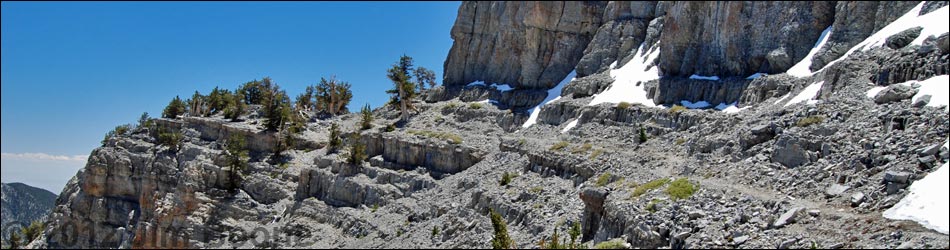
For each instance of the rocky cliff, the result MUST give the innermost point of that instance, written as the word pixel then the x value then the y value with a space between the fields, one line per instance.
pixel 808 161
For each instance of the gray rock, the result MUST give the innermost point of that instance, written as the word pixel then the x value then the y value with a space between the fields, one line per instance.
pixel 894 187
pixel 790 151
pixel 737 241
pixel 943 42
pixel 857 199
pixel 897 177
pixel 895 93
pixel 696 214
pixel 787 218
pixel 930 150
pixel 922 101
pixel 927 162
pixel 854 21
pixel 835 190
pixel 903 38
pixel 814 212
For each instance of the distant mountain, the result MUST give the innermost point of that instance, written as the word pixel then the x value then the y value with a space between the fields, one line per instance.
pixel 22 203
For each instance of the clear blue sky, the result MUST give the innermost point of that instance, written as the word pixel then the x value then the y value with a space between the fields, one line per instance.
pixel 73 71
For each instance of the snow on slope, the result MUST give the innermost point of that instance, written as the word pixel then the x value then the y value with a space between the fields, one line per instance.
pixel 807 94
pixel 801 68
pixel 938 87
pixel 571 125
pixel 500 86
pixel 933 23
pixel 553 95
pixel 624 88
pixel 927 202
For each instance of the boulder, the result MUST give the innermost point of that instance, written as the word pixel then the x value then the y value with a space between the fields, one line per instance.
pixel 895 93
pixel 903 38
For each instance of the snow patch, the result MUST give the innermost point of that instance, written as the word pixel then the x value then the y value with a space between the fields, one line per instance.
pixel 695 105
pixel 801 68
pixel 938 87
pixel 625 87
pixel 554 94
pixel 499 86
pixel 783 98
pixel 873 91
pixel 756 76
pixel 927 202
pixel 572 124
pixel 706 78
pixel 729 108
pixel 807 94
pixel 933 23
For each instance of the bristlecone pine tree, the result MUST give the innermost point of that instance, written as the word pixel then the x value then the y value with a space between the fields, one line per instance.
pixel 404 90
pixel 332 96
pixel 425 77
pixel 175 108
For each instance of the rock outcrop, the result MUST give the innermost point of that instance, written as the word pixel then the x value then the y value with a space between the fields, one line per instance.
pixel 856 20
pixel 528 45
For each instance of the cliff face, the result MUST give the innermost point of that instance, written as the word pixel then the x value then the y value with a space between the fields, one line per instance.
pixel 529 45
pixel 535 45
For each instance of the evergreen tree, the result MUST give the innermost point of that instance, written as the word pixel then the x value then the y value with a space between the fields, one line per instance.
pixel 32 232
pixel 367 115
pixel 256 92
pixel 643 135
pixel 404 89
pixel 305 99
pixel 357 150
pixel 332 96
pixel 335 141
pixel 425 77
pixel 175 108
pixel 276 109
pixel 237 155
pixel 196 105
pixel 501 239
pixel 235 106
pixel 218 100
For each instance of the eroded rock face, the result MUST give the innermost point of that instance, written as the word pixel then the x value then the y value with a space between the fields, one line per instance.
pixel 853 22
pixel 739 38
pixel 528 45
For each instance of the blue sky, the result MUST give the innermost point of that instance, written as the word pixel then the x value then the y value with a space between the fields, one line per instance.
pixel 73 71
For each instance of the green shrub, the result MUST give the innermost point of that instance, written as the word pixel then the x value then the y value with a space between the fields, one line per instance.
pixel 169 139
pixel 435 231
pixel 475 105
pixel 501 239
pixel 642 189
pixel 575 234
pixel 596 153
pixel 681 189
pixel 237 157
pixel 33 231
pixel 559 145
pixel 651 207
pixel 374 208
pixel 623 105
pixel 536 190
pixel 582 149
pixel 612 244
pixel 676 109
pixel 808 121
pixel 643 135
pixel 390 128
pixel 604 179
pixel 506 179
pixel 450 107
pixel 680 141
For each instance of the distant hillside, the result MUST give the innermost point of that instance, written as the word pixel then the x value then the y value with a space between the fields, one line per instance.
pixel 22 203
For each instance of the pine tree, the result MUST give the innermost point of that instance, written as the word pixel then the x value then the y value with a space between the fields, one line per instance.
pixel 425 77
pixel 332 96
pixel 357 150
pixel 237 155
pixel 276 109
pixel 196 105
pixel 235 106
pixel 367 115
pixel 501 239
pixel 335 141
pixel 175 108
pixel 305 99
pixel 32 232
pixel 643 135
pixel 218 100
pixel 403 90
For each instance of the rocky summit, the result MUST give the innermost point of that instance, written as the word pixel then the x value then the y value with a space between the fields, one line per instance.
pixel 612 124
